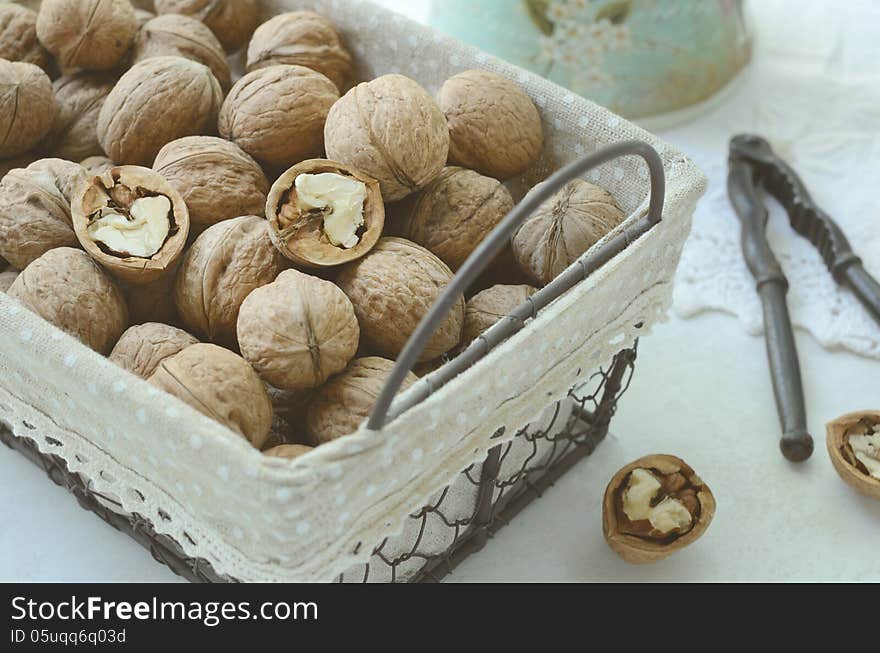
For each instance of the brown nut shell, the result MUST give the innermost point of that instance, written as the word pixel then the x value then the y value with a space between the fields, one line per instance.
pixel 289 451
pixel 221 385
pixel 97 165
pixel 118 189
pixel 232 21
pixel 300 237
pixel 142 347
pixel 18 36
pixel 27 107
pixel 640 550
pixel 79 99
pixel 67 288
pixel 152 302
pixel 850 469
pixel 487 307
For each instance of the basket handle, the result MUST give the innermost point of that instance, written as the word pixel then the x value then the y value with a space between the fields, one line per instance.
pixel 487 251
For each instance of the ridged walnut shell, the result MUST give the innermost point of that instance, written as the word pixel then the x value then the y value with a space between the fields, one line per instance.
pixel 297 331
pixel 302 38
pixel 564 228
pixel 301 238
pixel 96 194
pixel 392 130
pixel 232 21
pixel 35 210
pixel 494 126
pixel 18 36
pixel 289 451
pixel 486 308
pixel 640 550
pixel 27 107
pixel 79 99
pixel 67 288
pixel 97 165
pixel 90 34
pixel 157 101
pixel 392 288
pixel 221 385
pixel 277 114
pixel 224 265
pixel 343 403
pixel 142 347
pixel 850 469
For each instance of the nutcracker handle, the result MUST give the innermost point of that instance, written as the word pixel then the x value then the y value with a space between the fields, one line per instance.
pixel 486 252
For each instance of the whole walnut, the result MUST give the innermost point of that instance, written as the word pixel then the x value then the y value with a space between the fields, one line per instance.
pixel 35 210
pixel 232 21
pixel 392 288
pixel 455 213
pixel 67 288
pixel 494 126
pixel 142 347
pixel 303 38
pixel 217 179
pixel 276 114
pixel 224 264
pixel 27 107
pixel 18 36
pixel 392 130
pixel 563 228
pixel 221 385
pixel 486 308
pixel 182 36
pixel 78 99
pixel 343 403
pixel 90 34
pixel 6 278
pixel 96 165
pixel 297 331
pixel 157 101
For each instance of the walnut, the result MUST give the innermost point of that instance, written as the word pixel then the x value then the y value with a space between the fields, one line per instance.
pixel 96 165
pixel 90 34
pixel 391 130
pixel 303 38
pixel 78 100
pixel 392 288
pixel 143 16
pixel 341 404
pixel 277 114
pixel 67 288
pixel 18 37
pixel 224 264
pixel 853 442
pixel 232 21
pixel 157 101
pixel 486 308
pixel 289 451
pixel 7 277
pixel 563 228
pixel 35 210
pixel 220 384
pixel 455 213
pixel 322 213
pixel 132 222
pixel 27 107
pixel 217 179
pixel 142 347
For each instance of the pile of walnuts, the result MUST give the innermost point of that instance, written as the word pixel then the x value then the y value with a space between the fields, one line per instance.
pixel 260 246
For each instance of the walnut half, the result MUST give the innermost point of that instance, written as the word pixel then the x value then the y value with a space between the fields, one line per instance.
pixel 853 442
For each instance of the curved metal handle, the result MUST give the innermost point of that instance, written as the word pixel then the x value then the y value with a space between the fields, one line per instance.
pixel 492 245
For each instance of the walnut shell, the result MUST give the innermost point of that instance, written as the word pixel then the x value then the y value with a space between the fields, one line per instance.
pixel 78 99
pixel 143 16
pixel 850 469
pixel 486 308
pixel 276 114
pixel 157 101
pixel 494 127
pixel 141 348
pixel 119 189
pixel 67 288
pixel 455 213
pixel 90 34
pixel 341 404
pixel 27 107
pixel 7 277
pixel 220 384
pixel 152 302
pixel 392 288
pixel 289 451
pixel 563 228
pixel 302 38
pixel 301 237
pixel 223 266
pixel 35 210
pixel 217 179
pixel 97 165
pixel 18 37
pixel 232 21
pixel 647 548
pixel 182 36
pixel 297 331
pixel 392 130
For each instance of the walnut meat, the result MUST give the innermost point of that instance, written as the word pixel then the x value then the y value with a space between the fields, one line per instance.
pixel 392 288
pixel 563 228
pixel 157 101
pixel 486 308
pixel 217 179
pixel 27 107
pixel 277 114
pixel 341 404
pixel 297 331
pixel 67 288
pixel 302 38
pixel 223 266
pixel 220 384
pixel 18 36
pixel 78 100
pixel 391 130
pixel 232 21
pixel 141 348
